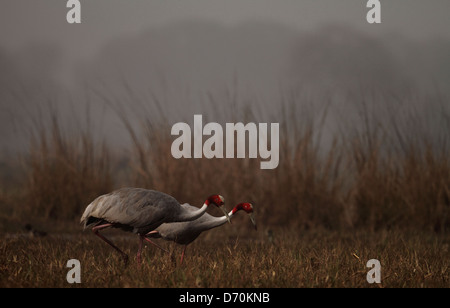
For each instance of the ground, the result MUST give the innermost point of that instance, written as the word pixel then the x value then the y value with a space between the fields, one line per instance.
pixel 310 259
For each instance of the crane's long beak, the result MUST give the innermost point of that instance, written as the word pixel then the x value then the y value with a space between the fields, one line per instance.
pixel 226 214
pixel 252 218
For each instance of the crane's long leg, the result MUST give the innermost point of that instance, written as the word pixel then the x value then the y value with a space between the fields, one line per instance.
pixel 141 239
pixel 96 230
pixel 153 243
pixel 182 254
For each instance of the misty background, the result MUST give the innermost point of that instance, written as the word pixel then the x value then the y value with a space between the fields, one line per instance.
pixel 175 58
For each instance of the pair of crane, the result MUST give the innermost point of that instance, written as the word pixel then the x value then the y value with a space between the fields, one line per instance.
pixel 153 214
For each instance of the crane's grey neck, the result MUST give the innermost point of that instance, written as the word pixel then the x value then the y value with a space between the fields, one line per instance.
pixel 187 215
pixel 216 221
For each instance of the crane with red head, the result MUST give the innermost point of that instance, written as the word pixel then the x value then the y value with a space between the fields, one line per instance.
pixel 140 211
pixel 184 233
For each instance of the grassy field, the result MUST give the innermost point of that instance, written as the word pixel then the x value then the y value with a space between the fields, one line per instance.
pixel 380 190
pixel 305 260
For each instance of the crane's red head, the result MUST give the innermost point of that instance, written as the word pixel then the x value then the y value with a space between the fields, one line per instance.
pixel 245 206
pixel 217 200
pixel 248 208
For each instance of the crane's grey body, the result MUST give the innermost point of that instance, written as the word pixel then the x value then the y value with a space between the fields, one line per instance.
pixel 136 209
pixel 185 232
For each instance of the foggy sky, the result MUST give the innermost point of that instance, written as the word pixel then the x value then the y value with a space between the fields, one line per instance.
pixel 206 47
pixel 23 22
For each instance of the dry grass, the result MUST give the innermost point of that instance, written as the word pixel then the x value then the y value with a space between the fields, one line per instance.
pixel 307 260
pixel 360 181
pixel 324 196
pixel 64 172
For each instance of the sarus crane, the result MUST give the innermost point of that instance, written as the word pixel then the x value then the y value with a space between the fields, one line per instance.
pixel 184 233
pixel 140 211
